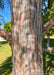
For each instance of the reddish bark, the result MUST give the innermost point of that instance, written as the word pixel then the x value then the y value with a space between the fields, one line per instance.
pixel 26 37
pixel 26 42
pixel 6 35
pixel 20 18
pixel 48 25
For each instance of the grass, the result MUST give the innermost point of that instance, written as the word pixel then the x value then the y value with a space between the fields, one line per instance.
pixel 5 59
pixel 6 63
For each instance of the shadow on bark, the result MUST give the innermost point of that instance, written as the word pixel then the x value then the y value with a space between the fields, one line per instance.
pixel 48 59
pixel 6 67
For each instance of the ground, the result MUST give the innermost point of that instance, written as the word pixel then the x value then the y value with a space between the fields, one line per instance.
pixel 5 59
pixel 6 63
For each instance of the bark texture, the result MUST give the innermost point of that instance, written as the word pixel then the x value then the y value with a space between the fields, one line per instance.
pixel 27 37
pixel 48 38
pixel 48 25
pixel 6 35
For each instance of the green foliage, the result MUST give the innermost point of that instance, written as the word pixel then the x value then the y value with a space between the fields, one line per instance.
pixel 1 4
pixel 6 63
pixel 1 7
pixel 50 4
pixel 48 59
pixel 51 43
pixel 51 31
pixel 7 26
pixel 48 13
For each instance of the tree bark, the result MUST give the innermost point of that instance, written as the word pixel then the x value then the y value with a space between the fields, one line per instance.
pixel 48 37
pixel 6 35
pixel 48 25
pixel 26 32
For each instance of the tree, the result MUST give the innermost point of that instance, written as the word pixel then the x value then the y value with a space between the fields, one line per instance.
pixel 48 36
pixel 7 26
pixel 26 37
pixel 48 13
pixel 51 30
pixel 1 4
pixel 48 25
pixel 6 35
pixel 1 8
pixel 48 29
pixel 26 29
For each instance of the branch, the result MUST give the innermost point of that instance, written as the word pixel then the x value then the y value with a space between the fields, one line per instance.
pixel 48 25
pixel 6 35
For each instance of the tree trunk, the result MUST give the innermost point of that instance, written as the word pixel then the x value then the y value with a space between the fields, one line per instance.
pixel 6 35
pixel 48 37
pixel 27 37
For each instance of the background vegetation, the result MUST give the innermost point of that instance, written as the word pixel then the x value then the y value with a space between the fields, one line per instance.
pixel 5 50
